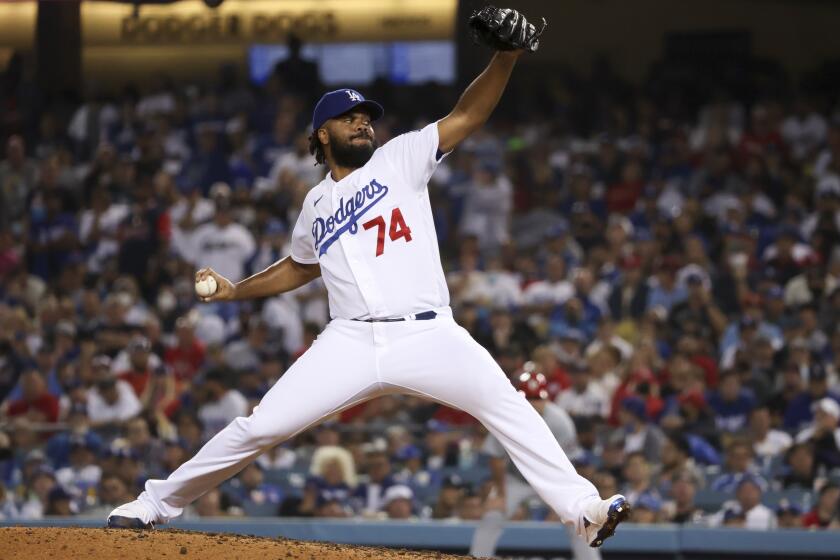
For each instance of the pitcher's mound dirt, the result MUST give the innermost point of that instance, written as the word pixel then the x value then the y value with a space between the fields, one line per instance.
pixel 59 543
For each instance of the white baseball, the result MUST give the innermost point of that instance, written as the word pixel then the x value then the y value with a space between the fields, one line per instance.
pixel 206 287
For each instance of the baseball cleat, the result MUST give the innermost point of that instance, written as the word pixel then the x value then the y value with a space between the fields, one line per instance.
pixel 132 515
pixel 601 519
pixel 120 522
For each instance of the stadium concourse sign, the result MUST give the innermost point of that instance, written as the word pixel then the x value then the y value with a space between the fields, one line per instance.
pixel 188 40
pixel 243 22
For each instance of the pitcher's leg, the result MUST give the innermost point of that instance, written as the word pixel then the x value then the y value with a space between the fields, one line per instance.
pixel 445 364
pixel 337 372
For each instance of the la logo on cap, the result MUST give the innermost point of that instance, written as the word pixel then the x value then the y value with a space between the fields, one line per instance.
pixel 353 95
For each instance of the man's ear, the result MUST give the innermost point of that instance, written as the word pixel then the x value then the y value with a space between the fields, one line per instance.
pixel 323 136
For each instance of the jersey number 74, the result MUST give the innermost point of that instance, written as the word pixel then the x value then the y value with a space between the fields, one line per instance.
pixel 398 229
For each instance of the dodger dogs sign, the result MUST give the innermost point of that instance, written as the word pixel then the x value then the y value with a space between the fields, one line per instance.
pixel 213 27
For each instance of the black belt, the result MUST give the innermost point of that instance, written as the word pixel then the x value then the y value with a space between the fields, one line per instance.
pixel 425 316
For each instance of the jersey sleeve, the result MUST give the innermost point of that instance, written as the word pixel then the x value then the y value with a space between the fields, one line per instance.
pixel 302 249
pixel 415 155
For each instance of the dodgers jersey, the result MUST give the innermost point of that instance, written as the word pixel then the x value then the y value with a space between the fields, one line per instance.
pixel 373 233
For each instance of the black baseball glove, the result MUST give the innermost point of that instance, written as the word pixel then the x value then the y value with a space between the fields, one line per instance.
pixel 504 29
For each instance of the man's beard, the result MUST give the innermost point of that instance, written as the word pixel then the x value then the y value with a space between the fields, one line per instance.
pixel 353 156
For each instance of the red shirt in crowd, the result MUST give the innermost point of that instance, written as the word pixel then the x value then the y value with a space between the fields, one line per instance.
pixel 137 379
pixel 46 404
pixel 622 197
pixel 811 520
pixel 633 387
pixel 185 362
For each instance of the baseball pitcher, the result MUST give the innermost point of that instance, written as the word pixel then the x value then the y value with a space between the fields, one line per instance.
pixel 367 230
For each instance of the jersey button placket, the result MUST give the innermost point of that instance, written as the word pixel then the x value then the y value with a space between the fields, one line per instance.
pixel 352 246
pixel 349 250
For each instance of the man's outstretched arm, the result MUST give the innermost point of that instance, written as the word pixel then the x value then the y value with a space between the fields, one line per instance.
pixel 477 102
pixel 283 276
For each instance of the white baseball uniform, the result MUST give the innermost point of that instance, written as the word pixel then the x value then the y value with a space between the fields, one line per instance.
pixel 372 234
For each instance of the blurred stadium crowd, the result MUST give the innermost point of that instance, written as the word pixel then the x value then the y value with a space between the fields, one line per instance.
pixel 661 278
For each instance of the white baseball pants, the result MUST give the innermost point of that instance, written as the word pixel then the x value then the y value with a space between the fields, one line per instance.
pixel 353 361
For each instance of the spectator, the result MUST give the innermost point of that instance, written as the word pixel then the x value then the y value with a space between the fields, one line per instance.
pixel 190 430
pixel 638 479
pixel 271 246
pixel 224 245
pixel 740 463
pixel 186 357
pixel 175 452
pixel 824 433
pixel 487 205
pixel 190 210
pixel 36 492
pixel 800 410
pixel 111 401
pixel 139 439
pixel 665 292
pixel 677 460
pixel 800 467
pixel 734 517
pixel 542 296
pixel 640 435
pixel 141 234
pixel 370 494
pixel 247 353
pixel 824 515
pixel 36 403
pixel 297 73
pixel 546 360
pixel 10 257
pixel 111 493
pixel 211 504
pixel 412 473
pixel 60 503
pixel 681 509
pixel 250 488
pixel 767 441
pixel 804 131
pixel 440 446
pixel 584 397
pixel 647 509
pixel 792 387
pixel 207 165
pixel 452 491
pixel 220 404
pixel 698 314
pixel 154 387
pixel 731 403
pixel 295 165
pixel 748 495
pixel 471 507
pixel 628 299
pixel 124 462
pixel 18 175
pixel 82 474
pixel 692 415
pixel 98 228
pixel 788 515
pixel 8 508
pixel 398 502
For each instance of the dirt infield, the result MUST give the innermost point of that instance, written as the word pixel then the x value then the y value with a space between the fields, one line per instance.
pixel 59 543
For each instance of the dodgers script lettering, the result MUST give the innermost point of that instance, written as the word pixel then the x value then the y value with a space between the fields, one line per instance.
pixel 346 217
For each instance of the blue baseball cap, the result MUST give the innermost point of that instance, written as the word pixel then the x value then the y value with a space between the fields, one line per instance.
pixel 409 452
pixel 338 102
